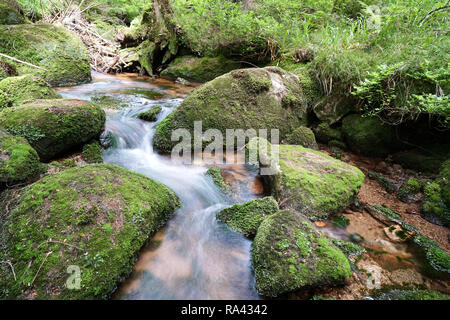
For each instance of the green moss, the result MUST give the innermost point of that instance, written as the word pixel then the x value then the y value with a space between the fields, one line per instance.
pixel 351 250
pixel 388 213
pixel 331 108
pixel 10 13
pixel 151 114
pixel 199 69
pixel 324 133
pixel 386 183
pixel 92 152
pixel 337 145
pixel 18 90
pixel 216 174
pixel 54 126
pixel 314 183
pixel 437 258
pixel 19 162
pixel 96 217
pixel 434 207
pixel 341 221
pixel 409 189
pixel 302 136
pixel 51 47
pixel 6 70
pixel 247 217
pixel 108 102
pixel 413 295
pixel 242 99
pixel 306 258
pixel 423 162
pixel 444 179
pixel 368 136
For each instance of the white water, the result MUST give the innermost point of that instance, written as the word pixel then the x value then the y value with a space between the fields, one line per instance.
pixel 195 256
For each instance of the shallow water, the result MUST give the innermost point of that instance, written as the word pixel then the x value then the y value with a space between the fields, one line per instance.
pixel 194 256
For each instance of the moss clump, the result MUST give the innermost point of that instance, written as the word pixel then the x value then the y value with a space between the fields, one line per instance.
pixel 10 13
pixel 51 47
pixel 434 208
pixel 351 250
pixel 388 185
pixel 150 115
pixel 258 98
pixel 247 217
pixel 386 213
pixel 314 183
pixel 53 127
pixel 108 102
pixel 324 133
pixel 96 217
pixel 290 254
pixel 199 69
pixel 92 152
pixel 409 189
pixel 216 174
pixel 19 162
pixel 444 179
pixel 302 136
pixel 437 258
pixel 367 136
pixel 413 295
pixel 17 90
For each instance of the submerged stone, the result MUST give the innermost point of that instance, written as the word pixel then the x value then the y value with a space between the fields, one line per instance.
pixel 289 254
pixel 53 127
pixel 89 221
pixel 304 137
pixel 247 217
pixel 258 98
pixel 53 48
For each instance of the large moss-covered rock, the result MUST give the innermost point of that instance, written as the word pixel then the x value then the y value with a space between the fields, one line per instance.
pixel 53 127
pixel 324 133
pixel 199 69
pixel 51 47
pixel 290 254
pixel 19 162
pixel 258 98
pixel 151 114
pixel 10 13
pixel 247 217
pixel 368 136
pixel 95 217
pixel 17 90
pixel 314 183
pixel 332 108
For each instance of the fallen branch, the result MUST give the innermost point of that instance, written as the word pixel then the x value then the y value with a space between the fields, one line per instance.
pixel 429 14
pixel 23 62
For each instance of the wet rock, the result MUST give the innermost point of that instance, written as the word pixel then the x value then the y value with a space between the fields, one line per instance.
pixel 289 254
pixel 53 127
pixel 351 250
pixel 258 98
pixel 150 115
pixel 17 90
pixel 247 217
pixel 216 174
pixel 368 136
pixel 51 47
pixel 199 69
pixel 438 260
pixel 11 13
pixel 95 217
pixel 19 162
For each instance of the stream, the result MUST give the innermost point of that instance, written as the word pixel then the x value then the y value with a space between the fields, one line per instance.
pixel 194 256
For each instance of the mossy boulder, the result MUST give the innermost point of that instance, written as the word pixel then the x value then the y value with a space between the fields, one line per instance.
pixel 59 51
pixel 409 189
pixel 10 13
pixel 247 217
pixel 434 207
pixel 258 98
pixel 332 108
pixel 289 254
pixel 92 152
pixel 302 136
pixel 17 90
pixel 324 133
pixel 438 260
pixel 421 161
pixel 351 250
pixel 314 183
pixel 199 69
pixel 444 178
pixel 368 136
pixel 95 217
pixel 53 127
pixel 19 162
pixel 151 114
pixel 396 294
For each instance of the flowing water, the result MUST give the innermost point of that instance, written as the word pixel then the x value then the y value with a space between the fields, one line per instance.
pixel 194 256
